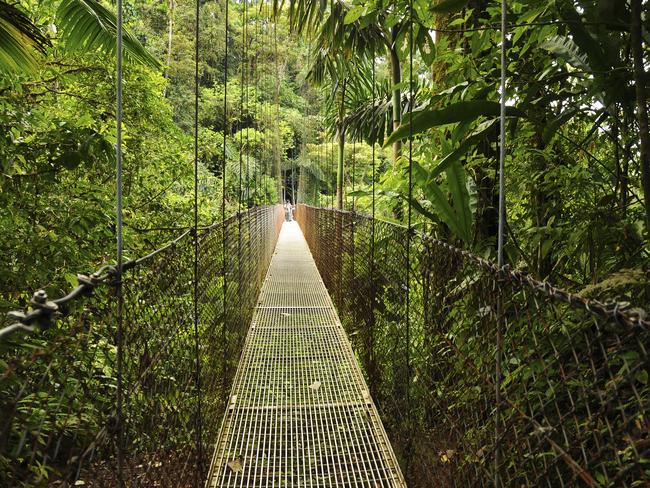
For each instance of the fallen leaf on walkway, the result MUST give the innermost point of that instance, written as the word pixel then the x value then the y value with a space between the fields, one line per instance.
pixel 236 465
pixel 446 456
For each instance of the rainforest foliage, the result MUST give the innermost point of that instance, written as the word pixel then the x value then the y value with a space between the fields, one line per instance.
pixel 380 106
pixel 314 98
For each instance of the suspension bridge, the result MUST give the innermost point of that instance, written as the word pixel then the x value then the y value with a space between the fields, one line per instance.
pixel 275 383
pixel 338 351
pixel 300 413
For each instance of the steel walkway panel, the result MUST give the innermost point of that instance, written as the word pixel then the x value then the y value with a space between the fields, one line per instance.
pixel 300 413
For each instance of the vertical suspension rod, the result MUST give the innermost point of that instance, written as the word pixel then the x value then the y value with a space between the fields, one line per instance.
pixel 120 246
pixel 199 413
pixel 408 250
pixel 500 244
pixel 224 235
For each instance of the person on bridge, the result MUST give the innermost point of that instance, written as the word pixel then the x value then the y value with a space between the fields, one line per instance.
pixel 288 211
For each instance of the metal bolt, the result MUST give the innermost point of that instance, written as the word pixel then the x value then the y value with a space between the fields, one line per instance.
pixel 39 296
pixel 39 300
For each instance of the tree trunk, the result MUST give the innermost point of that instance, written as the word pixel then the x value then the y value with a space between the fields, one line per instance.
pixel 340 175
pixel 396 79
pixel 641 106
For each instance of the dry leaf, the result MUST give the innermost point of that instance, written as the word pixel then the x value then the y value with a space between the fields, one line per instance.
pixel 444 458
pixel 315 386
pixel 236 465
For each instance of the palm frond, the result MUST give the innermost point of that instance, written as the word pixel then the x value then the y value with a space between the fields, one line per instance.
pixel 88 25
pixel 303 15
pixel 370 119
pixel 21 41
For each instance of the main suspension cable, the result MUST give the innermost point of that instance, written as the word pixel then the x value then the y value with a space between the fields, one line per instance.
pixel 240 197
pixel 373 292
pixel 264 12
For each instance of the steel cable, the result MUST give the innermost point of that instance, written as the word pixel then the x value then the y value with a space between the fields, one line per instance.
pixel 195 277
pixel 408 247
pixel 500 244
pixel 120 245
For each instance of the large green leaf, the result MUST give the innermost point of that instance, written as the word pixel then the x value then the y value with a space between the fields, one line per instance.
pixel 426 46
pixel 21 42
pixel 460 197
pixel 438 199
pixel 456 112
pixel 354 14
pixel 469 142
pixel 568 50
pixel 87 25
pixel 457 215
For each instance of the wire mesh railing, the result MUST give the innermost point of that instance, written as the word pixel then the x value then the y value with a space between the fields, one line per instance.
pixel 574 381
pixel 58 416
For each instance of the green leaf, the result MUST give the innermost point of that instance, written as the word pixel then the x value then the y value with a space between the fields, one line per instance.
pixel 458 187
pixel 475 136
pixel 456 112
pixel 368 19
pixel 566 49
pixel 426 46
pixel 449 6
pixel 354 14
pixel 71 278
pixel 459 217
pixel 87 25
pixel 452 157
pixel 359 193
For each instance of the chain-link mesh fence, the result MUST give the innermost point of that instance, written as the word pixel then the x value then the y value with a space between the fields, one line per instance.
pixel 58 386
pixel 573 388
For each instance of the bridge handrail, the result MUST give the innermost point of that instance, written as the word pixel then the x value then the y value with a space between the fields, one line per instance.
pixel 43 309
pixel 621 313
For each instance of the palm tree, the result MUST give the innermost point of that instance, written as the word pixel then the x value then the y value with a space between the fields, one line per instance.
pixel 343 35
pixel 83 25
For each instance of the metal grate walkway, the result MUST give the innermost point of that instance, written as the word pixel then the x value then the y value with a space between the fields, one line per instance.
pixel 300 413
